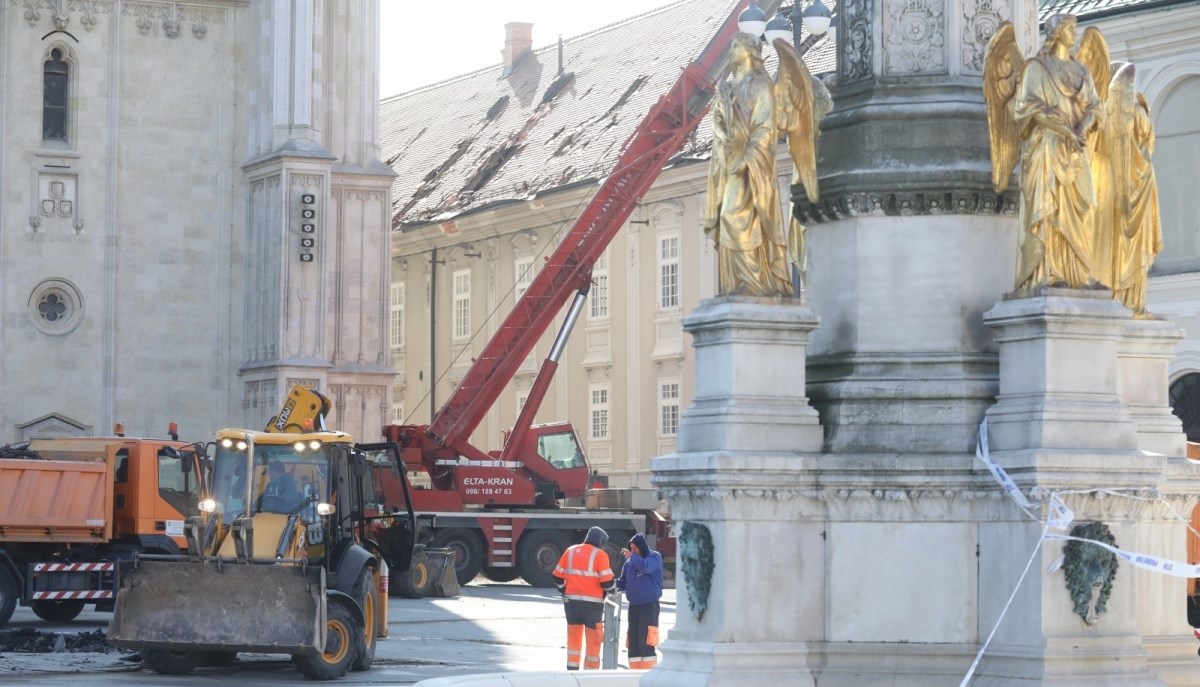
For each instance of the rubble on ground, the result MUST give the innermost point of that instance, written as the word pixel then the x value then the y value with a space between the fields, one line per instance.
pixel 31 641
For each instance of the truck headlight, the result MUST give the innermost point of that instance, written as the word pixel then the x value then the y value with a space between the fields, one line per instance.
pixel 324 509
pixel 207 506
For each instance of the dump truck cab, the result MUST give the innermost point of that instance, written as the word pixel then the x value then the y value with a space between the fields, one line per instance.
pixel 278 560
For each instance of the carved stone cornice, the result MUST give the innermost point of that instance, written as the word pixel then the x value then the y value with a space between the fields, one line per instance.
pixel 169 17
pixel 905 203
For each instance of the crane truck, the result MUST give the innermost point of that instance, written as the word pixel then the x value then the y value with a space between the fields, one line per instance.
pixel 73 508
pixel 278 561
pixel 498 509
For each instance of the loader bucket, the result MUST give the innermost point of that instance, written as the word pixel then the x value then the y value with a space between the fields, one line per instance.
pixel 203 606
pixel 441 566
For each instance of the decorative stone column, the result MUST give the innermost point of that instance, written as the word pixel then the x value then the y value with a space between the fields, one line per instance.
pixel 750 561
pixel 909 243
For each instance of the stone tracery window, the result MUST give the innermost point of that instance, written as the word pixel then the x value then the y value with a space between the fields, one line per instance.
pixel 55 80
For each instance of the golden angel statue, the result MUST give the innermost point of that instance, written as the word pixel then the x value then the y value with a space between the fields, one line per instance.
pixel 743 214
pixel 1127 194
pixel 1042 111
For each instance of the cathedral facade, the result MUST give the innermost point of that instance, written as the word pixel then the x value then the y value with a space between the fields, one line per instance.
pixel 193 215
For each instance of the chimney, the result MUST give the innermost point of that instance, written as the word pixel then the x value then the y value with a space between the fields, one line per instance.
pixel 518 38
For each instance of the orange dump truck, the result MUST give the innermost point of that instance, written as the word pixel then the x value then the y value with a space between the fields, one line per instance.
pixel 71 508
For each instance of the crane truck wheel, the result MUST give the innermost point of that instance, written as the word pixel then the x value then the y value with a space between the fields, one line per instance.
pixel 414 582
pixel 343 643
pixel 8 595
pixel 538 553
pixel 172 662
pixel 367 595
pixel 468 552
pixel 57 611
pixel 501 574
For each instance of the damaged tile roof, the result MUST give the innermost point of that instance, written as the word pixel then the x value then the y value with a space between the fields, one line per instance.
pixel 485 138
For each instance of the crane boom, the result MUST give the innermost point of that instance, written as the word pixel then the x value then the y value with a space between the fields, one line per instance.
pixel 568 270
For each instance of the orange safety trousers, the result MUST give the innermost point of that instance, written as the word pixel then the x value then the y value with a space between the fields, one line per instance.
pixel 575 641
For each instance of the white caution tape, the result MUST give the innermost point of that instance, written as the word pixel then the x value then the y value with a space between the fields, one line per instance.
pixel 1140 560
pixel 1010 487
pixel 1058 516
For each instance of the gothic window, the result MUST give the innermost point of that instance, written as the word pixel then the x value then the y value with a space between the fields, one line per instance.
pixel 54 97
pixel 1185 403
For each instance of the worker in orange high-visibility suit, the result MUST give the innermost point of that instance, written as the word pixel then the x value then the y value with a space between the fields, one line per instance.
pixel 584 576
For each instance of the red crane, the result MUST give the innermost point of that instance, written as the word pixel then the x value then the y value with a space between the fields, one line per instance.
pixel 544 463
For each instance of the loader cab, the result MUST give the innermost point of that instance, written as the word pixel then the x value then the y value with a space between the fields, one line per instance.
pixel 288 485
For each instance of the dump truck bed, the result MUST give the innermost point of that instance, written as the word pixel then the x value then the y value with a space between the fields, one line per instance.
pixel 58 500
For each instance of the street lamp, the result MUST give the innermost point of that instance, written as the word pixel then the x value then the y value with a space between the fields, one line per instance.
pixel 816 18
pixel 779 27
pixel 752 20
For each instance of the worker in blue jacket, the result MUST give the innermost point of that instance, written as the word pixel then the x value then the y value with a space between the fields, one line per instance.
pixel 642 581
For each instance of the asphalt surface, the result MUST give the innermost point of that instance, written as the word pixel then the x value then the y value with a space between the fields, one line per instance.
pixel 489 628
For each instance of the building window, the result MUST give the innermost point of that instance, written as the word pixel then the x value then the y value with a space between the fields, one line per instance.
pixel 599 293
pixel 397 315
pixel 1185 403
pixel 398 413
pixel 523 269
pixel 668 409
pixel 522 397
pixel 54 97
pixel 462 304
pixel 1176 157
pixel 668 273
pixel 599 413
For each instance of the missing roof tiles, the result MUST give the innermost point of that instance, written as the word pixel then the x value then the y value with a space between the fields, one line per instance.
pixel 497 108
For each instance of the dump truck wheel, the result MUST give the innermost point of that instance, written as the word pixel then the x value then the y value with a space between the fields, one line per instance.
pixel 501 574
pixel 343 642
pixel 538 553
pixel 414 582
pixel 8 595
pixel 368 597
pixel 172 662
pixel 57 611
pixel 468 552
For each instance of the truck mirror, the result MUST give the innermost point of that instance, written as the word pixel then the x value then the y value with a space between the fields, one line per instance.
pixel 185 463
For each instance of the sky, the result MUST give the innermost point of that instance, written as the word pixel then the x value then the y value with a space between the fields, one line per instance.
pixel 412 54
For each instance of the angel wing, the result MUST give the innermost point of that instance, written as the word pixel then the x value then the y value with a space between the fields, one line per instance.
pixel 1120 114
pixel 793 93
pixel 1002 65
pixel 1092 53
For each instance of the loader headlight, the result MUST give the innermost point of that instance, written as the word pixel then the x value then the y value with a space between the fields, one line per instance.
pixel 314 444
pixel 207 506
pixel 324 509
pixel 299 446
pixel 229 443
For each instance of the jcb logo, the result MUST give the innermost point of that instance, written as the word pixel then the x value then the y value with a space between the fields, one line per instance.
pixel 285 414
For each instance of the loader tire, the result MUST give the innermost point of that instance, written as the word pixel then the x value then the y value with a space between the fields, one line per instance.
pixel 172 662
pixel 220 658
pixel 8 595
pixel 343 642
pixel 368 596
pixel 414 582
pixel 57 611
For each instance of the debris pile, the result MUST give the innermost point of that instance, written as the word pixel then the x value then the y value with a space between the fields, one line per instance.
pixel 31 641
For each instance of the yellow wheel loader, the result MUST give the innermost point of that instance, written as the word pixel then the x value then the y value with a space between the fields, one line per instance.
pixel 279 560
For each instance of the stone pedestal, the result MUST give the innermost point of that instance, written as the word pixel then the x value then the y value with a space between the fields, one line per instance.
pixel 749 561
pixel 1059 424
pixel 1144 355
pixel 1058 375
